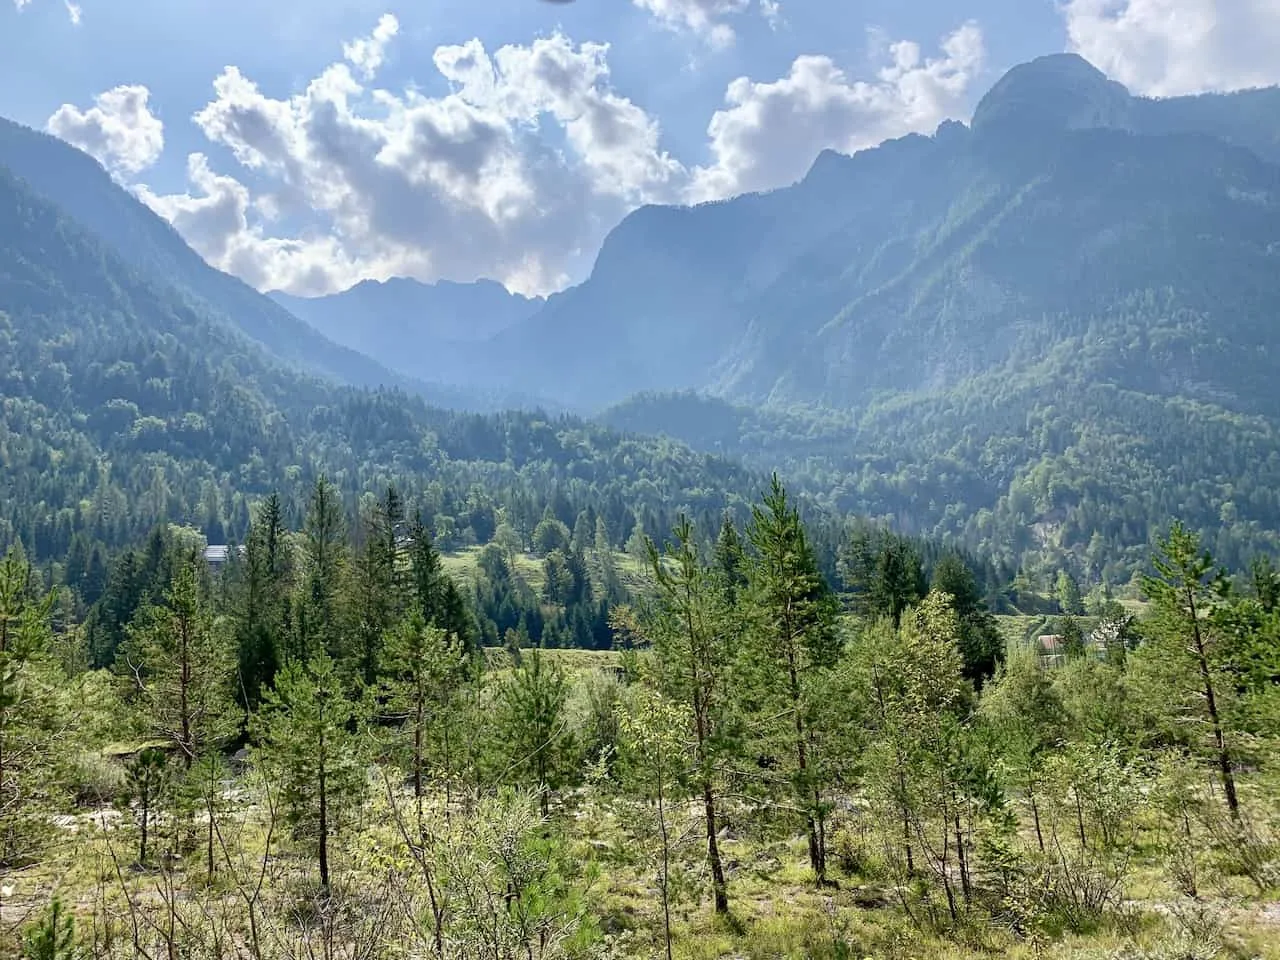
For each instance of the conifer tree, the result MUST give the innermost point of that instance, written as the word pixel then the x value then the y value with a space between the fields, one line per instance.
pixel 377 602
pixel 793 638
pixel 536 725
pixel 1185 589
pixel 146 782
pixel 319 627
pixel 310 738
pixel 425 668
pixel 264 591
pixel 693 636
pixel 30 727
pixel 53 935
pixel 181 669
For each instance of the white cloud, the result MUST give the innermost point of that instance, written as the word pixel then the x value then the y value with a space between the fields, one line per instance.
pixel 707 18
pixel 472 183
pixel 367 53
pixel 518 170
pixel 1170 47
pixel 215 220
pixel 770 133
pixel 73 9
pixel 119 129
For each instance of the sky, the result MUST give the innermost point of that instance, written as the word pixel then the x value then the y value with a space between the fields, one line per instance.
pixel 305 145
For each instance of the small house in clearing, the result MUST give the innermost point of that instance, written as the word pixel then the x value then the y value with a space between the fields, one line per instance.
pixel 217 555
pixel 1051 649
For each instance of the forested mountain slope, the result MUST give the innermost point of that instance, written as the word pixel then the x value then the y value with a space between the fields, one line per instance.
pixel 125 405
pixel 80 187
pixel 1060 330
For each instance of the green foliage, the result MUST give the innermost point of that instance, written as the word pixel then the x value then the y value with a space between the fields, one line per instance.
pixel 180 668
pixel 538 737
pixel 53 935
pixel 147 787
pixel 794 642
pixel 508 888
pixel 311 742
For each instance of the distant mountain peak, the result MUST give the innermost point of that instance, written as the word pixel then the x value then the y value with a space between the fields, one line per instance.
pixel 1062 91
pixel 410 285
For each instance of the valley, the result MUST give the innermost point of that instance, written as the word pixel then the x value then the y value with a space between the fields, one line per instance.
pixel 883 565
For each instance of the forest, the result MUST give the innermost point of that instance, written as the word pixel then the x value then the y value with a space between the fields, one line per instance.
pixel 329 746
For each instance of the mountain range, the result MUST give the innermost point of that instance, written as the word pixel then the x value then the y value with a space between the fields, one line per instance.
pixel 1045 332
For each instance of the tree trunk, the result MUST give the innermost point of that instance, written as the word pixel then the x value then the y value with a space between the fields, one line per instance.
pixel 324 822
pixel 142 845
pixel 1035 812
pixel 817 856
pixel 1211 703
pixel 666 857
pixel 961 858
pixel 718 885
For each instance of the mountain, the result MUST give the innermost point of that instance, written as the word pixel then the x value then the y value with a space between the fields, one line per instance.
pixel 409 326
pixel 1045 333
pixel 125 403
pixel 80 187
pixel 749 298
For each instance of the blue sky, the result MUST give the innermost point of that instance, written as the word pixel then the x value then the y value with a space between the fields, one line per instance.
pixel 308 144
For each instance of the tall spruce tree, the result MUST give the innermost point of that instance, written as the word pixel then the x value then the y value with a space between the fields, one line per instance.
pixel 264 589
pixel 319 625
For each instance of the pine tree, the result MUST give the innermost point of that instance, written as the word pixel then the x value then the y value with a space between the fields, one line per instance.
pixel 425 668
pixel 310 739
pixel 325 550
pixel 263 595
pixel 181 670
pixel 793 638
pixel 30 727
pixel 377 602
pixel 981 645
pixel 52 936
pixel 693 636
pixel 146 784
pixel 536 725
pixel 1184 591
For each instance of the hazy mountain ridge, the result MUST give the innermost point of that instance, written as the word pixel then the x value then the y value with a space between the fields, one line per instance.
pixel 410 327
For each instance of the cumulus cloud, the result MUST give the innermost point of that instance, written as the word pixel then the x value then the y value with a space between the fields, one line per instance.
pixel 770 133
pixel 216 219
pixel 1171 47
pixel 516 173
pixel 119 129
pixel 367 53
pixel 517 170
pixel 707 18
